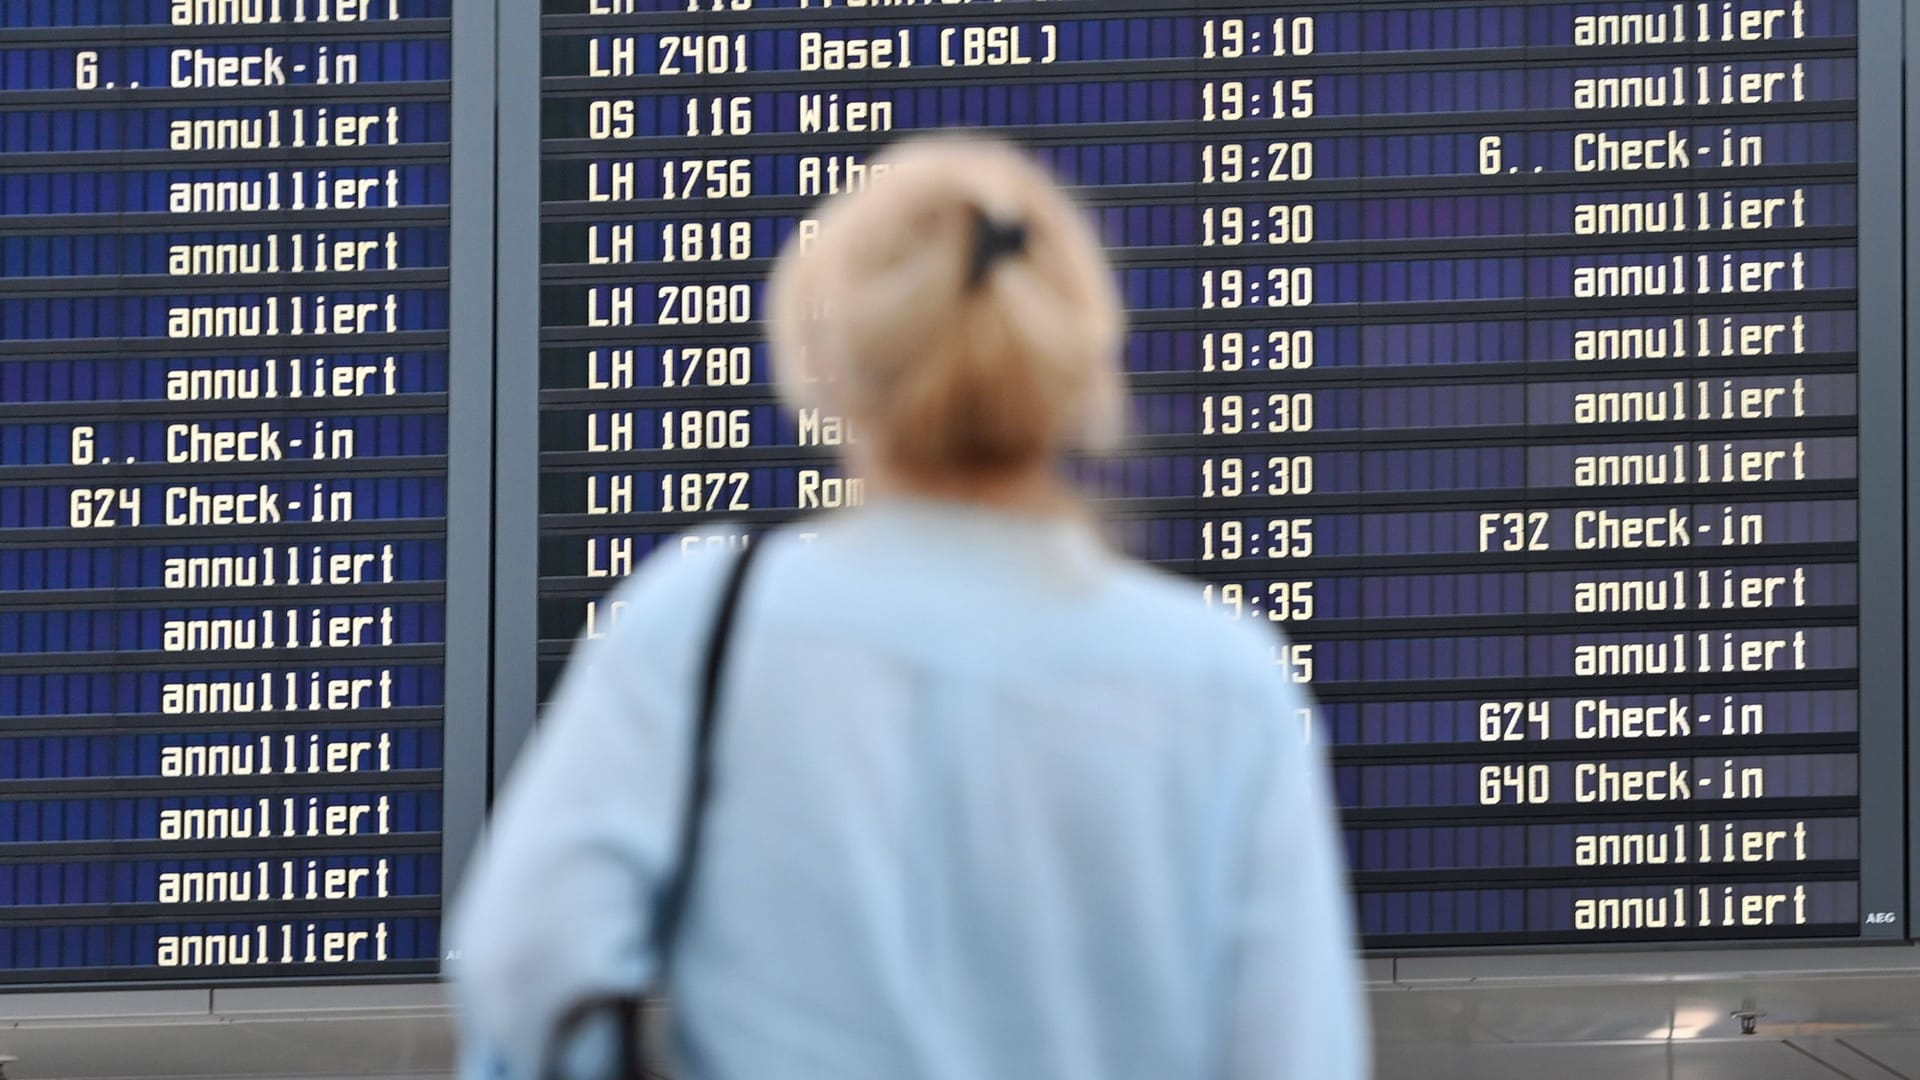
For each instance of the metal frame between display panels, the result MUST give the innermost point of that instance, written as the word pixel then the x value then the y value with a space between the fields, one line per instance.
pixel 466 790
pixel 1884 824
pixel 1898 22
pixel 516 435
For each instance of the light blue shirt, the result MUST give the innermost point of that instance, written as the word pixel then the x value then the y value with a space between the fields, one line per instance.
pixel 990 803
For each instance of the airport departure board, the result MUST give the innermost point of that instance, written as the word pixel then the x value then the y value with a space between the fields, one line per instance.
pixel 224 378
pixel 1533 369
pixel 1510 357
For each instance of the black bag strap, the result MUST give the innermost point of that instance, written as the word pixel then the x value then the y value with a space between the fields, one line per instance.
pixel 693 821
pixel 625 1011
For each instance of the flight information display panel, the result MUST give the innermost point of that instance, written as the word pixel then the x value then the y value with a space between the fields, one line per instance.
pixel 1507 356
pixel 224 236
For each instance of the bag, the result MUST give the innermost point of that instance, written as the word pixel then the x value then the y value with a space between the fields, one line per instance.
pixel 620 1016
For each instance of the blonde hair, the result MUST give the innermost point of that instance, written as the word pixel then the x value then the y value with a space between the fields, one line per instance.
pixel 881 317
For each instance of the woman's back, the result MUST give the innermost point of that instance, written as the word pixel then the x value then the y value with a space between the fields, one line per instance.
pixel 988 802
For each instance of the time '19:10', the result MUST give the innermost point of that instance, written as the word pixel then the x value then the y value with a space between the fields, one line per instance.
pixel 1231 39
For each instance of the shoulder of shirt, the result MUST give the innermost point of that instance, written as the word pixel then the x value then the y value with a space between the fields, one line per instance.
pixel 669 598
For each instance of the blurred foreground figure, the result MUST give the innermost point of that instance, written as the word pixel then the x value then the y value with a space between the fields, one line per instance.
pixel 989 802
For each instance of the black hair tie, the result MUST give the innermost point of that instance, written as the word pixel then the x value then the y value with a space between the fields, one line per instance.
pixel 992 241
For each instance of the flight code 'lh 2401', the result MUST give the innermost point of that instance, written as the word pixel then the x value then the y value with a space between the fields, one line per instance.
pixel 728 54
